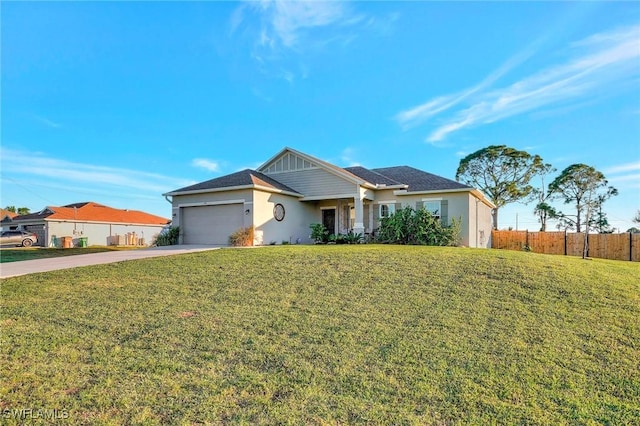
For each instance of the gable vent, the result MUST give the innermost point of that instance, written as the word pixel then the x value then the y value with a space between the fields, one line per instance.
pixel 288 163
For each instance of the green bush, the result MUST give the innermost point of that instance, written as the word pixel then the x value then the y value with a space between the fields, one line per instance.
pixel 319 233
pixel 243 237
pixel 321 236
pixel 418 227
pixel 167 237
pixel 353 238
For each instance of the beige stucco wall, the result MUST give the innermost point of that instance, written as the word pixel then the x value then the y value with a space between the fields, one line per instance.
pixel 211 198
pixel 479 223
pixel 293 228
pixel 260 204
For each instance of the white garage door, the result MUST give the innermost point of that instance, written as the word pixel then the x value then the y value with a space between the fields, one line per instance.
pixel 211 224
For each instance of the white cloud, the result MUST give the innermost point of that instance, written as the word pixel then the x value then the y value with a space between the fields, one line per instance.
pixel 601 60
pixel 632 177
pixel 288 19
pixel 624 176
pixel 92 177
pixel 421 113
pixel 212 166
pixel 237 16
pixel 282 31
pixel 621 168
pixel 347 157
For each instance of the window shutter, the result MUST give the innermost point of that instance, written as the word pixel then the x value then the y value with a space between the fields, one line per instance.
pixel 419 205
pixel 444 214
pixel 398 207
pixel 376 214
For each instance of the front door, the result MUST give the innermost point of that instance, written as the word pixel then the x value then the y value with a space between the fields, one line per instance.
pixel 329 220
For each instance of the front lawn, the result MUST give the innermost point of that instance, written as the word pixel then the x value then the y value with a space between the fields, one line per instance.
pixel 32 253
pixel 364 334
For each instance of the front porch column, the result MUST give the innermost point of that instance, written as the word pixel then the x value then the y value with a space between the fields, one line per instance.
pixel 358 226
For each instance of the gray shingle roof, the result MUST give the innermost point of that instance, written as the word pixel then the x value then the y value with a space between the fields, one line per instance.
pixel 371 176
pixel 34 216
pixel 245 177
pixel 419 180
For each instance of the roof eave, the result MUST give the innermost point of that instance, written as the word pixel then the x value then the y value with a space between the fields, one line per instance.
pixel 479 195
pixel 204 191
pixel 431 191
pixel 397 187
pixel 234 188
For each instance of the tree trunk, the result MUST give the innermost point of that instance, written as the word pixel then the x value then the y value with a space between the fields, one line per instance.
pixel 495 218
pixel 585 248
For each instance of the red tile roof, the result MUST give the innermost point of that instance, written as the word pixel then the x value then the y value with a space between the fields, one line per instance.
pixel 94 212
pixel 4 213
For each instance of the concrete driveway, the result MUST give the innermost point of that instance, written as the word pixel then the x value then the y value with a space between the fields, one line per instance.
pixel 14 269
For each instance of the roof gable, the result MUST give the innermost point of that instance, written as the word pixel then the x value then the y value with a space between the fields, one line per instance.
pixel 289 160
pixel 6 213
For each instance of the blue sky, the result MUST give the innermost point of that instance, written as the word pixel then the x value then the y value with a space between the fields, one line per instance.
pixel 119 102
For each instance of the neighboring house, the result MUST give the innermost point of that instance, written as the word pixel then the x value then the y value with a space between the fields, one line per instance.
pixel 292 190
pixel 99 224
pixel 5 217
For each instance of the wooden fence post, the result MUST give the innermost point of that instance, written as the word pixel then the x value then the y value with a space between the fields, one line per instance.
pixel 585 252
pixel 630 247
pixel 565 242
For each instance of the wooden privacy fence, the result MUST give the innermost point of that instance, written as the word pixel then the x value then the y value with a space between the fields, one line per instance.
pixel 604 246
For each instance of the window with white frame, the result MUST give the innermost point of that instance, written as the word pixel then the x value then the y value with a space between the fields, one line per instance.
pixel 387 210
pixel 434 206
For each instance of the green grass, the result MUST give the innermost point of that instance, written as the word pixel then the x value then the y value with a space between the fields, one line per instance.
pixel 32 253
pixel 327 335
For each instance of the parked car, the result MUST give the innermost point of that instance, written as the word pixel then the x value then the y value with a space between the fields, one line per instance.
pixel 19 238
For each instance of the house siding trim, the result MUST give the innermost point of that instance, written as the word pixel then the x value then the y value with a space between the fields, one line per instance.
pixel 211 203
pixel 329 197
pixel 477 194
